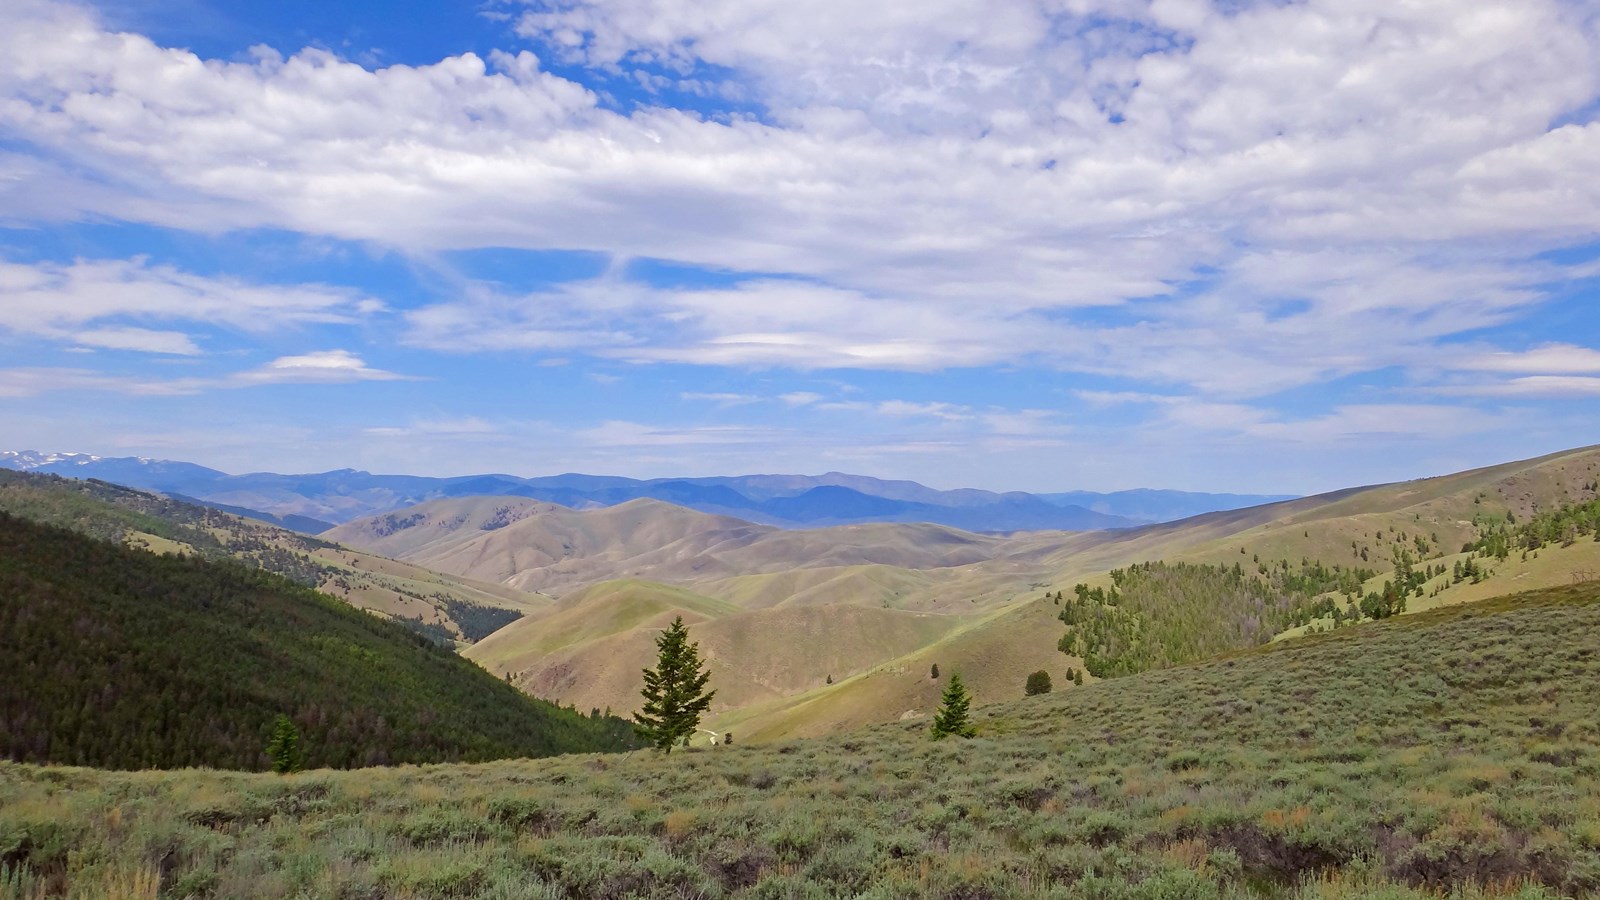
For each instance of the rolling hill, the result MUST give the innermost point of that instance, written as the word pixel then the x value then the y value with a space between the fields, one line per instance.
pixel 552 549
pixel 121 658
pixel 997 594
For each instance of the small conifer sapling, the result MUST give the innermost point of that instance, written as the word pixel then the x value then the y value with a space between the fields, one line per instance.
pixel 953 706
pixel 284 747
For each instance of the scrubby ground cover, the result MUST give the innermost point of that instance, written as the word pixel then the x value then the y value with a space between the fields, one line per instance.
pixel 1448 753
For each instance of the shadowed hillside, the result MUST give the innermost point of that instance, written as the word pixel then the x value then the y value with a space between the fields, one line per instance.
pixel 121 658
pixel 448 609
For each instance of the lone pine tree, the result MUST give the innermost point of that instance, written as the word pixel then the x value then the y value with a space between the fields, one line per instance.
pixel 952 715
pixel 674 692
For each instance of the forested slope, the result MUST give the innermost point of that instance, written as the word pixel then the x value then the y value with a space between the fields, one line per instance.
pixel 442 607
pixel 120 658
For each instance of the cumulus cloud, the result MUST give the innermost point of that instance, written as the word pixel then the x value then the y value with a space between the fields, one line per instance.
pixel 1234 198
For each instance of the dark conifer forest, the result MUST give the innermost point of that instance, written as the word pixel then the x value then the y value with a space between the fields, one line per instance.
pixel 120 658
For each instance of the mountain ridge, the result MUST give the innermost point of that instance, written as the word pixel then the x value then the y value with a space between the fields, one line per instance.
pixel 785 501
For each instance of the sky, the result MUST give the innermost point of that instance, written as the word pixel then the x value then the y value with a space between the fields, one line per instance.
pixel 1273 247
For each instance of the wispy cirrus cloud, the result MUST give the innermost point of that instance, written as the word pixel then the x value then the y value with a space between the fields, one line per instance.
pixel 1549 359
pixel 88 303
pixel 318 367
pixel 1529 387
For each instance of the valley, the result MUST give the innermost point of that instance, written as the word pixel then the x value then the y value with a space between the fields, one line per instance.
pixel 804 594
pixel 1227 718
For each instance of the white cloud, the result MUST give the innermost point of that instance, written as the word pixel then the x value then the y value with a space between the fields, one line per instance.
pixel 1531 387
pixel 173 343
pixel 1263 195
pixel 82 302
pixel 1555 359
pixel 32 381
pixel 1123 398
pixel 947 412
pixel 320 367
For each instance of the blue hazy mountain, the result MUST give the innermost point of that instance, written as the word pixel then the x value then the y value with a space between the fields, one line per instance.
pixel 310 502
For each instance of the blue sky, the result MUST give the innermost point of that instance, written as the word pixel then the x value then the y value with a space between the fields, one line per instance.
pixel 1012 244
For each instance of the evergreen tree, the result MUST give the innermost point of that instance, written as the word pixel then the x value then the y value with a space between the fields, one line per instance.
pixel 1038 683
pixel 284 748
pixel 674 692
pixel 933 672
pixel 952 715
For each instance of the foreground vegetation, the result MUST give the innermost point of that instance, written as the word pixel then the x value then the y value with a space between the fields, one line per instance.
pixel 121 658
pixel 1451 752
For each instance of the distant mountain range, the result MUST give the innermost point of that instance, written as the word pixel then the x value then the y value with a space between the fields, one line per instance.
pixel 313 503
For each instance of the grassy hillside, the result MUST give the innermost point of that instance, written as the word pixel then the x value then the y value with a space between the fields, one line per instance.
pixel 121 658
pixel 985 585
pixel 590 651
pixel 540 546
pixel 994 653
pixel 444 607
pixel 1448 753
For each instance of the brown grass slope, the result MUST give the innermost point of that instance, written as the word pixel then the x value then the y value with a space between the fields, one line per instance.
pixel 994 654
pixel 538 546
pixel 590 651
pixel 1321 527
pixel 989 587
